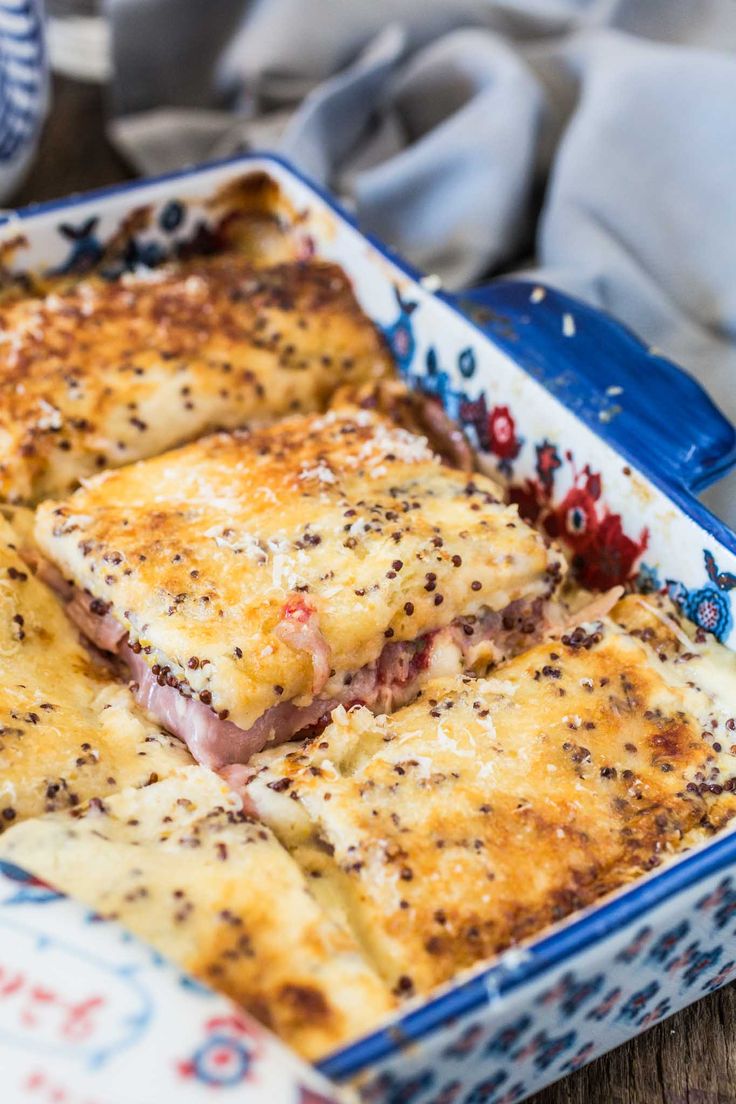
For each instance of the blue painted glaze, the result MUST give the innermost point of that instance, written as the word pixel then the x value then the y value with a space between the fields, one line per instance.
pixel 689 442
pixel 663 407
pixel 562 946
pixel 642 404
pixel 22 76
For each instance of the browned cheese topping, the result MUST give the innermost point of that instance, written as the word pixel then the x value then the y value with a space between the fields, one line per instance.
pixel 105 373
pixel 183 868
pixel 491 808
pixel 257 568
pixel 272 572
pixel 68 729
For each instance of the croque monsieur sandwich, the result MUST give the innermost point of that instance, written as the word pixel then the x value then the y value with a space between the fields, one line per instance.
pixel 105 373
pixel 181 866
pixel 474 763
pixel 491 808
pixel 391 852
pixel 68 730
pixel 254 581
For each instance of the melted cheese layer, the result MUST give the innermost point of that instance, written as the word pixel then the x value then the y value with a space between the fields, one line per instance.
pixel 68 730
pixel 266 567
pixel 181 866
pixel 106 373
pixel 491 808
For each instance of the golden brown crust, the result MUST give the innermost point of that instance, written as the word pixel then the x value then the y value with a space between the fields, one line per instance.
pixel 68 731
pixel 415 411
pixel 105 373
pixel 492 808
pixel 204 553
pixel 180 866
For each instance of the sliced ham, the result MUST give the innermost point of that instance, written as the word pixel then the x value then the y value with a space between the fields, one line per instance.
pixel 53 578
pixel 91 616
pixel 299 629
pixel 388 683
pixel 212 741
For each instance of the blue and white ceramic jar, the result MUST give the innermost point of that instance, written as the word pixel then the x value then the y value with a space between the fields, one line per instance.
pixel 24 87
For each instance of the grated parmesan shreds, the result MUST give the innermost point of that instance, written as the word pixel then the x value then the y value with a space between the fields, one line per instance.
pixel 50 416
pixel 246 543
pixel 195 286
pixel 407 447
pixel 322 472
pixel 142 274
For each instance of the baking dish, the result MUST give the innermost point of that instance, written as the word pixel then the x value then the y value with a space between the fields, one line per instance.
pixel 603 441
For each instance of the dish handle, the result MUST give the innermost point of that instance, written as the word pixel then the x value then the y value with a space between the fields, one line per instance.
pixel 644 405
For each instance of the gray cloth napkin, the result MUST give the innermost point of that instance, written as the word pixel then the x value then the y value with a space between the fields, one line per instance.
pixel 592 142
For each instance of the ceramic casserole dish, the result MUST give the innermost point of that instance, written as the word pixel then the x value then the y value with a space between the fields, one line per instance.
pixel 589 429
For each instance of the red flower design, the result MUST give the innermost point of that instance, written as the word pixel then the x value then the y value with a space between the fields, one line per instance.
pixel 502 434
pixel 526 497
pixel 548 461
pixel 609 558
pixel 574 520
pixel 603 555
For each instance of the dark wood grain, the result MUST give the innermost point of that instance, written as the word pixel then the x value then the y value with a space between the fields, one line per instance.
pixel 74 154
pixel 689 1058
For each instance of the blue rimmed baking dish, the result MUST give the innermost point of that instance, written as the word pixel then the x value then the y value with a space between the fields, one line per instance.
pixel 601 440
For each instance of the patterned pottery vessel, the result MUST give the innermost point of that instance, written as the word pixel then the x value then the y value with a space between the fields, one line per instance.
pixel 604 444
pixel 24 88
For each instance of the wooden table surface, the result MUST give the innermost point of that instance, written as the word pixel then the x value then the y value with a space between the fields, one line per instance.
pixel 689 1058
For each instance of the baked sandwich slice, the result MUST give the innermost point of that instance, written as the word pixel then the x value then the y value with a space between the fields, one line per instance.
pixel 491 808
pixel 183 868
pixel 69 730
pixel 254 581
pixel 105 373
